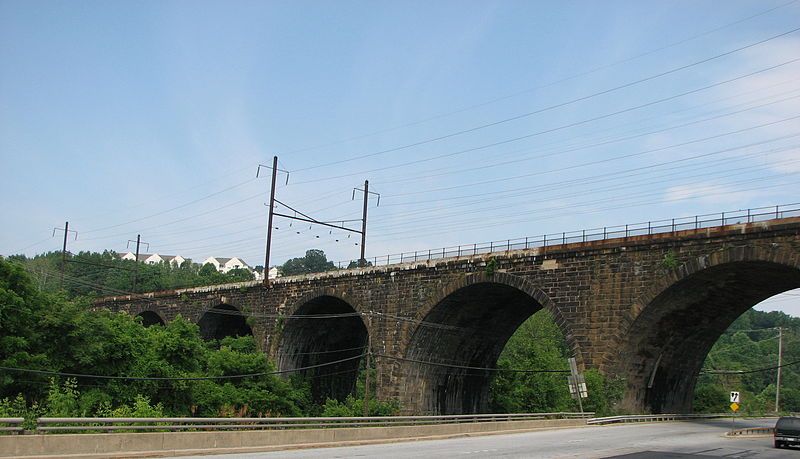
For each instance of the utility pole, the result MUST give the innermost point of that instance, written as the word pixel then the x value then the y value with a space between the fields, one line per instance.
pixel 64 248
pixel 136 266
pixel 778 382
pixel 369 342
pixel 362 261
pixel 269 219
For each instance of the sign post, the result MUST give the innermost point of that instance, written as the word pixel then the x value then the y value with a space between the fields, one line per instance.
pixel 577 383
pixel 734 407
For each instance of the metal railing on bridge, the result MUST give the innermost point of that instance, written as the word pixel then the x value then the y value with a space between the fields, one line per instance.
pixel 55 425
pixel 694 222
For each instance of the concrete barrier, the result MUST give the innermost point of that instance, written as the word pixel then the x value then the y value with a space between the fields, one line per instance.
pixel 156 444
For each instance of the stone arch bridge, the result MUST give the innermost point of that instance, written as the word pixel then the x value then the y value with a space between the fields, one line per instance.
pixel 644 308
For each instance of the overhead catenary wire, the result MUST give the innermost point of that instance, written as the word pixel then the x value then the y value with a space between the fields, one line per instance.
pixel 574 209
pixel 549 130
pixel 546 85
pixel 604 160
pixel 554 106
pixel 675 171
pixel 612 141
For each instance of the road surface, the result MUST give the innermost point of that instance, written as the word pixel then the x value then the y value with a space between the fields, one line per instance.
pixel 684 439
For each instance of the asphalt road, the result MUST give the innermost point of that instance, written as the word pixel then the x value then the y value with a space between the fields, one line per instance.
pixel 631 441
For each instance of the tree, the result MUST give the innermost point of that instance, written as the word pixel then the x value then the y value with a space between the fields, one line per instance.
pixel 315 261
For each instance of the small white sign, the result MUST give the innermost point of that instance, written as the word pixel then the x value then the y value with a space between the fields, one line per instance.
pixel 734 397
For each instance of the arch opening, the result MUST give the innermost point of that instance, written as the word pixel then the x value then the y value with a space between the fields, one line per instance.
pixel 150 318
pixel 318 342
pixel 670 339
pixel 468 328
pixel 222 321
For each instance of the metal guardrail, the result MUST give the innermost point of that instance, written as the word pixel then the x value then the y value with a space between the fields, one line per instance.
pixel 695 222
pixel 751 431
pixel 652 418
pixel 13 425
pixel 180 423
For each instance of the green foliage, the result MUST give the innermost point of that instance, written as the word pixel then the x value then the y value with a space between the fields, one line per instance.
pixel 355 264
pixel 670 260
pixel 93 274
pixel 62 401
pixel 354 406
pixel 603 393
pixel 751 343
pixel 491 267
pixel 63 335
pixel 537 344
pixel 314 261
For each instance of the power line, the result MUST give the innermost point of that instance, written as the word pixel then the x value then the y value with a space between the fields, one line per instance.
pixel 546 85
pixel 651 180
pixel 551 130
pixel 744 372
pixel 573 210
pixel 181 378
pixel 604 160
pixel 465 367
pixel 594 145
pixel 552 107
pixel 173 208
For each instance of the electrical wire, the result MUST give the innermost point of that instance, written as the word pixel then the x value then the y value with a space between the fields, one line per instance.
pixel 180 378
pixel 465 367
pixel 551 107
pixel 544 86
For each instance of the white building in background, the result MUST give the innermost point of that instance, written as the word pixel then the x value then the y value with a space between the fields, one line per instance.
pixel 223 264
pixel 154 258
pixel 273 273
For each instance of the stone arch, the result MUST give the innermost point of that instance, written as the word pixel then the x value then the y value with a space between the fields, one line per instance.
pixel 150 317
pixel 326 334
pixel 674 324
pixel 223 320
pixel 467 324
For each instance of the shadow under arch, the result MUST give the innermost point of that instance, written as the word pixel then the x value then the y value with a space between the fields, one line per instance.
pixel 221 321
pixel 468 325
pixel 150 318
pixel 324 329
pixel 662 353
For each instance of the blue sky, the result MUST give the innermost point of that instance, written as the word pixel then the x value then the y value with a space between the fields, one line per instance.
pixel 151 118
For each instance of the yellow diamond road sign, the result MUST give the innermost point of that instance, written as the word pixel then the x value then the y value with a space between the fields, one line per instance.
pixel 735 406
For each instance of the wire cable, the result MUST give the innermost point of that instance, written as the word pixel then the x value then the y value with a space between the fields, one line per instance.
pixel 554 106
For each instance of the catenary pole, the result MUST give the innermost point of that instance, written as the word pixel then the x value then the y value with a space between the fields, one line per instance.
pixel 269 220
pixel 64 253
pixel 362 261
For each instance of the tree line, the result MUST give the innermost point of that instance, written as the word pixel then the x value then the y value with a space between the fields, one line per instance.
pixel 56 332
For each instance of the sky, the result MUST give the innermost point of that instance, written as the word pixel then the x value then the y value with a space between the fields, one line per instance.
pixel 474 121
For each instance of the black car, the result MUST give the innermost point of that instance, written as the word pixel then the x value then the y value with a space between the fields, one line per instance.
pixel 787 432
